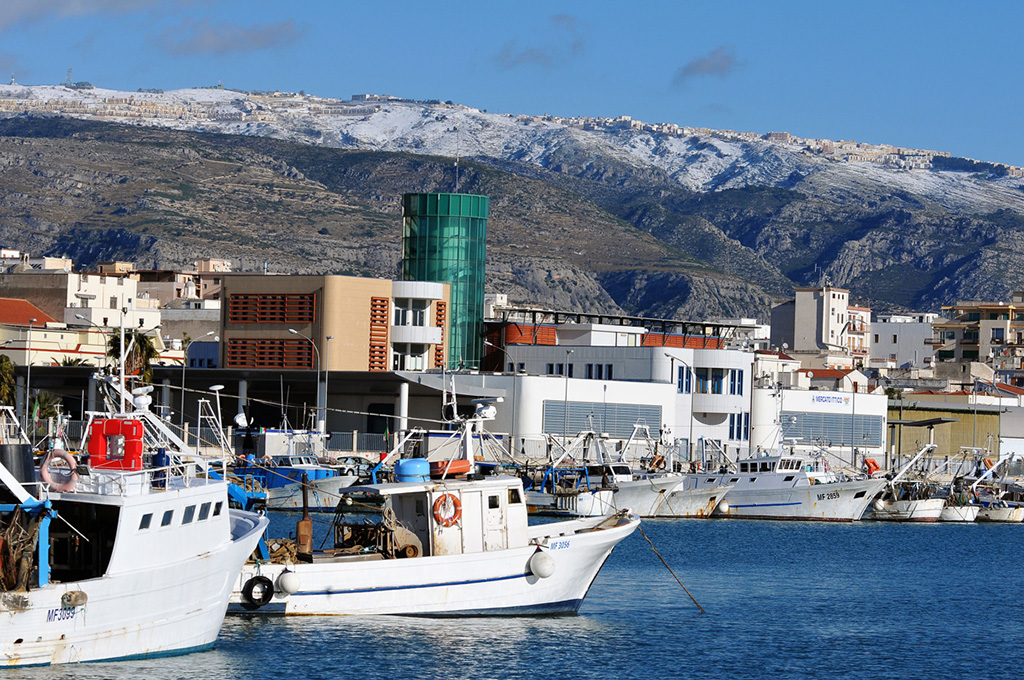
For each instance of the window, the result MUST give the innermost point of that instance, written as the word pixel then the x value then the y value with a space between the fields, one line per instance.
pixel 168 516
pixel 409 357
pixel 736 381
pixel 493 503
pixel 216 508
pixel 513 497
pixel 146 519
pixel 410 312
pixel 190 513
pixel 894 339
pixel 684 379
pixel 608 371
pixel 589 372
pixel 876 337
pixel 551 369
pixel 717 381
pixel 204 511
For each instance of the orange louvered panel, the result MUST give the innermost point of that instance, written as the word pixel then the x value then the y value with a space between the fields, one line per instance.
pixel 380 312
pixel 441 318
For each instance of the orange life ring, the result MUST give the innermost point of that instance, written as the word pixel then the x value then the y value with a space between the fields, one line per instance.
pixel 447 510
pixel 44 471
pixel 658 463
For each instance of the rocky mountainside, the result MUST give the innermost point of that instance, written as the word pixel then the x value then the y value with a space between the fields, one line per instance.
pixel 608 218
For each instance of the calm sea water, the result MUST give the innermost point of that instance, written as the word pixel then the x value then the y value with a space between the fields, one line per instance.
pixel 783 600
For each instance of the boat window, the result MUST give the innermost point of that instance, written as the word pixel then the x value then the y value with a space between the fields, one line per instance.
pixel 621 470
pixel 513 496
pixel 146 519
pixel 190 512
pixel 744 467
pixel 789 478
pixel 765 467
pixel 752 479
pixel 204 511
pixel 710 480
pixel 859 494
pixel 168 516
pixel 493 502
pixel 216 508
pixel 420 507
pixel 734 480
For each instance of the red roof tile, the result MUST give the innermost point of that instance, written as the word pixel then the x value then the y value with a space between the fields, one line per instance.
pixel 17 312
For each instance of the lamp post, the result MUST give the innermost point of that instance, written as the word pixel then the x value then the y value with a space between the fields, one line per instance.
pixel 101 329
pixel 28 369
pixel 515 381
pixel 672 376
pixel 327 374
pixel 316 352
pixel 565 402
pixel 184 365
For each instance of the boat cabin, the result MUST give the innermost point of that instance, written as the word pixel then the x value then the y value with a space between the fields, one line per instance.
pixel 438 518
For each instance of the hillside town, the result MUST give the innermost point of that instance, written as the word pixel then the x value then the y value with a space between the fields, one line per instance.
pixel 370 360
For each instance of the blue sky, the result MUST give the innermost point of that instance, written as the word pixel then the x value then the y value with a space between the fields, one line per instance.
pixel 933 75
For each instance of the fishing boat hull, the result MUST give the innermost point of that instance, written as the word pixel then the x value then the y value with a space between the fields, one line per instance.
pixel 995 513
pixel 832 502
pixel 323 494
pixel 157 609
pixel 959 513
pixel 918 510
pixel 668 496
pixel 489 583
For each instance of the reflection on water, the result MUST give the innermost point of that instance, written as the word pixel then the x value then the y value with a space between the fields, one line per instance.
pixel 785 600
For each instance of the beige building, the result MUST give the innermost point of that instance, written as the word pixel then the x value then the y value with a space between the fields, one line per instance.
pixel 341 323
pixel 821 329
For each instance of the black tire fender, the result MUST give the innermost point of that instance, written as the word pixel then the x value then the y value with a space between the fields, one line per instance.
pixel 257 591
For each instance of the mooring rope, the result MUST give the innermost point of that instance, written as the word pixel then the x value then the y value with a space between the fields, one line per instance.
pixel 641 530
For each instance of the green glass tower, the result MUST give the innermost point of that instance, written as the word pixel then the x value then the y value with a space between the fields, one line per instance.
pixel 444 241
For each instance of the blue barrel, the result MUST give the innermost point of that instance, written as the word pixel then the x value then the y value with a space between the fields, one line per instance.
pixel 160 460
pixel 412 470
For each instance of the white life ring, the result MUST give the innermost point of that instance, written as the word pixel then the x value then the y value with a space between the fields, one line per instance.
pixel 69 481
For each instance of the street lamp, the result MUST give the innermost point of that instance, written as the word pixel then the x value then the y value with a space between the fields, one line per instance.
pixel 515 381
pixel 316 352
pixel 565 402
pixel 672 377
pixel 184 365
pixel 327 373
pixel 28 371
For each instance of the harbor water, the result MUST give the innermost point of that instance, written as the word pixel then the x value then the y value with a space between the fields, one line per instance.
pixel 783 600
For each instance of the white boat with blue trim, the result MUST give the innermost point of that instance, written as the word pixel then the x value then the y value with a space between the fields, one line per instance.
pixel 794 486
pixel 124 555
pixel 441 548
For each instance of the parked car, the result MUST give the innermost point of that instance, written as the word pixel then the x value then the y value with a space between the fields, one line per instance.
pixel 354 465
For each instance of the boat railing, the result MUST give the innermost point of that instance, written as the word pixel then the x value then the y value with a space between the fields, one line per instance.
pixel 131 482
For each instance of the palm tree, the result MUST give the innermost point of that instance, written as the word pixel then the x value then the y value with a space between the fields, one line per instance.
pixel 142 353
pixel 6 380
pixel 74 361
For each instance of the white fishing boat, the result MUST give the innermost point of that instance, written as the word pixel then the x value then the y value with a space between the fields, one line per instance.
pixel 283 476
pixel 130 556
pixel 442 547
pixel 954 512
pixel 792 486
pixel 993 498
pixel 601 485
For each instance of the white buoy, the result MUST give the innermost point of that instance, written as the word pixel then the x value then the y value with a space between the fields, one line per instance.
pixel 542 565
pixel 723 507
pixel 288 582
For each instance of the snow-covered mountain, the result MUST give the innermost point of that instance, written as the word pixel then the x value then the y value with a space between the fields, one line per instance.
pixel 768 209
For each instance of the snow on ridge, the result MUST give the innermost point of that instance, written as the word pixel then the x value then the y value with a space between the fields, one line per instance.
pixel 699 163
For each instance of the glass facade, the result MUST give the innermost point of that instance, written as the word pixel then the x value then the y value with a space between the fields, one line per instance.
pixel 444 240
